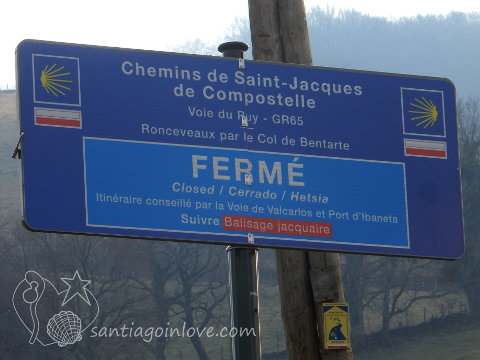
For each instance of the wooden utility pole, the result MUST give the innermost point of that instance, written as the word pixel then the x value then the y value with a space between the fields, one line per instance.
pixel 280 33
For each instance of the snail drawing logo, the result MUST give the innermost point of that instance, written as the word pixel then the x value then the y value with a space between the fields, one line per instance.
pixel 54 317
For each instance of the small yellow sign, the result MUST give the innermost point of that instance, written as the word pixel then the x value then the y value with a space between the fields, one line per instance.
pixel 336 326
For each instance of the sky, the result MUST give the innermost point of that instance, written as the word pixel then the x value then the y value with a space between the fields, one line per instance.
pixel 156 25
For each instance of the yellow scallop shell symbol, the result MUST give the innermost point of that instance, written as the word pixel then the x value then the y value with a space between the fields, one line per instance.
pixel 51 80
pixel 428 109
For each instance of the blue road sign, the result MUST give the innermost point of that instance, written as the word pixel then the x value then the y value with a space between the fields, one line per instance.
pixel 146 144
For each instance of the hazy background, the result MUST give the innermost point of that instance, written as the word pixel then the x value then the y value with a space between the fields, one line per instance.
pixel 144 24
pixel 400 308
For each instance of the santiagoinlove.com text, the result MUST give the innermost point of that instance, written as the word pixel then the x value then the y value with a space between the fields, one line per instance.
pixel 148 333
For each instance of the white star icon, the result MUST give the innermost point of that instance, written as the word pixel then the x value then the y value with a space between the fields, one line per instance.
pixel 76 283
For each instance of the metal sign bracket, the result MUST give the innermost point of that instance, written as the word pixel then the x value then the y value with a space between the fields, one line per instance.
pixel 17 148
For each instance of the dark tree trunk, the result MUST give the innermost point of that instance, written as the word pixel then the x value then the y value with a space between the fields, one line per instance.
pixel 472 292
pixel 195 339
pixel 390 266
pixel 386 316
pixel 354 280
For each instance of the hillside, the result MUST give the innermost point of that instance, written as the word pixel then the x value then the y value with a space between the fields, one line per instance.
pixel 9 186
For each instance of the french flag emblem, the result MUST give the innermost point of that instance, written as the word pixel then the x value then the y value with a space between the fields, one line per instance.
pixel 426 148
pixel 58 117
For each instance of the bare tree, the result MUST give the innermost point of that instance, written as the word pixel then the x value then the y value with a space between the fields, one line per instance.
pixel 397 282
pixel 102 261
pixel 200 299
pixel 465 272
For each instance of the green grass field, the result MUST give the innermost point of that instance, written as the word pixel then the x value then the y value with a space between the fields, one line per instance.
pixel 421 310
pixel 271 327
pixel 458 346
